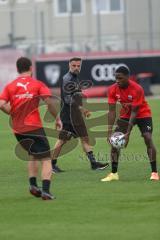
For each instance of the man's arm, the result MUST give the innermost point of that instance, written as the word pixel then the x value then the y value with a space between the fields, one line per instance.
pixel 72 94
pixel 67 89
pixel 111 119
pixel 132 119
pixel 5 107
pixel 51 107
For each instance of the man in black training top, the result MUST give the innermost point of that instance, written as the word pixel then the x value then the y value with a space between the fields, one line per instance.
pixel 71 116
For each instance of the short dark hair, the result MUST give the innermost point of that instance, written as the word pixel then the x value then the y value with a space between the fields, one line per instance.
pixel 75 59
pixel 23 64
pixel 123 69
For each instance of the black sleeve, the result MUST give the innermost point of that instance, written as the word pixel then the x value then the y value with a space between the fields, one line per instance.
pixel 71 91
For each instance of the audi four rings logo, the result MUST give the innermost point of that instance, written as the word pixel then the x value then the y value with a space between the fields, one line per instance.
pixel 104 72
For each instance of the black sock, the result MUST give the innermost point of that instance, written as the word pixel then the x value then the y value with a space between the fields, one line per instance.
pixel 46 185
pixel 114 167
pixel 153 166
pixel 54 161
pixel 33 181
pixel 91 157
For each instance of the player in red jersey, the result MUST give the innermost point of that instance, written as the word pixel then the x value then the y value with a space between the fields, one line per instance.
pixel 134 110
pixel 24 94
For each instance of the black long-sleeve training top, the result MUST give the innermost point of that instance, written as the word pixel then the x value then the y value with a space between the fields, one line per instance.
pixel 71 98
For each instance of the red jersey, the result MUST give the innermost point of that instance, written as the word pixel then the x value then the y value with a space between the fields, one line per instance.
pixel 24 94
pixel 129 97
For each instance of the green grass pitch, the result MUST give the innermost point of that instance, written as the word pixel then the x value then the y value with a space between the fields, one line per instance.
pixel 85 208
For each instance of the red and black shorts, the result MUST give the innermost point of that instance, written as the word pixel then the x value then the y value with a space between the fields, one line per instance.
pixel 144 125
pixel 35 143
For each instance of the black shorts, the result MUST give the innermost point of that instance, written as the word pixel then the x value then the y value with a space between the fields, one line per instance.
pixel 35 143
pixel 144 125
pixel 69 131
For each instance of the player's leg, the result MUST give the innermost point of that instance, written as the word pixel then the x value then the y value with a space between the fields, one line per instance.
pixel 32 174
pixel 37 146
pixel 114 165
pixel 95 165
pixel 32 171
pixel 64 136
pixel 56 151
pixel 151 150
pixel 80 131
pixel 32 167
pixel 146 128
pixel 122 125
pixel 25 141
pixel 46 174
pixel 40 151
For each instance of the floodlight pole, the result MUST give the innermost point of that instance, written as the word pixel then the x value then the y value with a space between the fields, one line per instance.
pixel 150 24
pixel 42 32
pixel 125 30
pixel 36 42
pixel 98 20
pixel 71 27
pixel 12 23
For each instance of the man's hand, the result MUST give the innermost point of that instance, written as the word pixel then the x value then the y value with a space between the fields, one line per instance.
pixel 126 136
pixel 85 112
pixel 58 124
pixel 109 133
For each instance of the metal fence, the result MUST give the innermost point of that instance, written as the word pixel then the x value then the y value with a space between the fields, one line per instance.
pixel 33 28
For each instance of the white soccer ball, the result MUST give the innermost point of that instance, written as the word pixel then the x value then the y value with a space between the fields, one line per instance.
pixel 117 140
